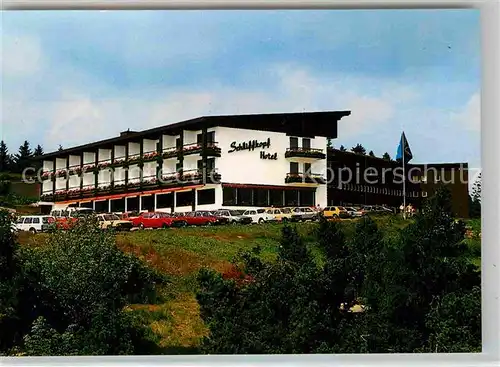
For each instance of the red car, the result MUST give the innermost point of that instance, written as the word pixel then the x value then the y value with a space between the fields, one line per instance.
pixel 129 215
pixel 198 218
pixel 153 220
pixel 66 218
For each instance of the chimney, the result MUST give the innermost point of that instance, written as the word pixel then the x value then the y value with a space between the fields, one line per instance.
pixel 128 132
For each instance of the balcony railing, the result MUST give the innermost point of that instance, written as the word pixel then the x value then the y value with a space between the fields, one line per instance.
pixel 305 153
pixel 297 177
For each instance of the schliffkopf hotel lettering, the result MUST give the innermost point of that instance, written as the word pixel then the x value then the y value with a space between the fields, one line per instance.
pixel 251 145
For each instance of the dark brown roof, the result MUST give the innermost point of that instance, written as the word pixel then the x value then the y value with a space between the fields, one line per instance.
pixel 299 124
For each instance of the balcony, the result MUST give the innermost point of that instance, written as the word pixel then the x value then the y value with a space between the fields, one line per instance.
pixel 305 153
pixel 309 178
pixel 212 149
pixel 196 175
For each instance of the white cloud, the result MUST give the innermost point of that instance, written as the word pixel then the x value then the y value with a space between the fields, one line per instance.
pixel 470 115
pixel 21 56
pixel 77 119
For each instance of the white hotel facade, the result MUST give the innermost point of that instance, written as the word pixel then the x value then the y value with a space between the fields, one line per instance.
pixel 213 162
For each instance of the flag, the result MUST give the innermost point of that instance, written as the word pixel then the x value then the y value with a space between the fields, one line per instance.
pixel 403 145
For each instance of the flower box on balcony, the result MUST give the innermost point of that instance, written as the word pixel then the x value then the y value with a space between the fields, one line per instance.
pixel 170 153
pixel 191 149
pixel 103 165
pixel 47 175
pixel 88 168
pixel 75 171
pixel 169 178
pixel 305 153
pixel 151 156
pixel 61 173
pixel 104 189
pixel 47 197
pixel 135 159
pixel 73 193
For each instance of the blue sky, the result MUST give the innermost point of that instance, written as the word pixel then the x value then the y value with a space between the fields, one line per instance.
pixel 73 77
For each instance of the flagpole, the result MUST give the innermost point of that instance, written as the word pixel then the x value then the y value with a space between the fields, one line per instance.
pixel 404 179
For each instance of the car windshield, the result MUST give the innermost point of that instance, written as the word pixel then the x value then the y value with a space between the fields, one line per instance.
pixel 111 217
pixel 81 213
pixel 235 212
pixel 341 208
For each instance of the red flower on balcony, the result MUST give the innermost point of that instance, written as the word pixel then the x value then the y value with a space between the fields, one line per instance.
pixel 88 167
pixel 47 174
pixel 150 155
pixel 119 160
pixel 60 172
pixel 104 165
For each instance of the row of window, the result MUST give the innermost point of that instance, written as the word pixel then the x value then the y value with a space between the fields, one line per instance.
pixel 185 198
pixel 380 190
pixel 267 197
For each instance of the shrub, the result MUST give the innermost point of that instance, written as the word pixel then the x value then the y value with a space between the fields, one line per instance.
pixel 73 293
pixel 411 289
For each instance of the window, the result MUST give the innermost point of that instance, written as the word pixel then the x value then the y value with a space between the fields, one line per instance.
pixel 164 200
pixel 20 220
pixel 28 220
pixel 261 211
pixel 184 198
pixel 199 139
pixel 228 196
pixel 424 194
pixel 147 203
pixel 118 205
pixel 307 197
pixel 178 166
pixel 36 220
pixel 101 206
pixel 294 167
pixel 276 197
pixel 260 197
pixel 210 164
pixel 132 204
pixel 294 142
pixel 307 168
pixel 206 197
pixel 306 143
pixel 291 197
pixel 178 144
pixel 244 197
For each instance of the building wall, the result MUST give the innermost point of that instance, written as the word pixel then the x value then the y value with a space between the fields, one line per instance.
pixel 247 167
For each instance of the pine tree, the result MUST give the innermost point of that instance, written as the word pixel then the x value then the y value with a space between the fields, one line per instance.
pixel 23 158
pixel 371 154
pixel 386 156
pixel 38 151
pixel 342 148
pixel 5 158
pixel 358 149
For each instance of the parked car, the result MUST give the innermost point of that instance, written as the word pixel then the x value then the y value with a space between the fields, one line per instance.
pixel 302 214
pixel 280 214
pixel 259 215
pixel 66 218
pixel 153 220
pixel 113 221
pixel 129 215
pixel 197 218
pixel 218 219
pixel 233 216
pixel 335 212
pixel 355 212
pixel 34 223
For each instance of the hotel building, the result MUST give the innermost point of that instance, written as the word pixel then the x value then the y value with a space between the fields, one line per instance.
pixel 205 163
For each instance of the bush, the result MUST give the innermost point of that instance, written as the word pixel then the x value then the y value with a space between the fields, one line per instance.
pixel 73 293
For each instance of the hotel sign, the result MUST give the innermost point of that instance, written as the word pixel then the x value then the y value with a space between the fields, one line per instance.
pixel 251 145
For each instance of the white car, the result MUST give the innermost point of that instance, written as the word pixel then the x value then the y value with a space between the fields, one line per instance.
pixel 34 223
pixel 259 215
